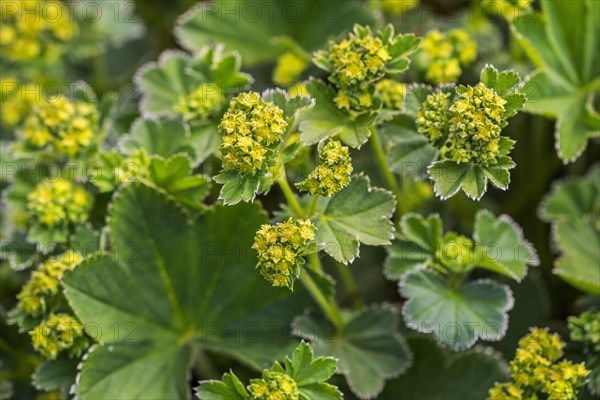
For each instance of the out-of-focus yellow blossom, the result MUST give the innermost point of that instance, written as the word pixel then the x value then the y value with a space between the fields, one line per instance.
pixel 274 386
pixel 508 9
pixel 250 128
pixel 332 174
pixel 443 55
pixel 298 89
pixel 44 282
pixel 467 130
pixel 279 249
pixel 289 67
pixel 536 370
pixel 391 93
pixel 35 30
pixel 395 7
pixel 201 104
pixel 17 99
pixel 57 333
pixel 59 124
pixel 58 203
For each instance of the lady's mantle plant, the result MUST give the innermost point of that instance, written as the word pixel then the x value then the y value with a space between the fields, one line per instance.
pixel 180 273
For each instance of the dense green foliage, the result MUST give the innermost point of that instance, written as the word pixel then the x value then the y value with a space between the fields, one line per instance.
pixel 300 199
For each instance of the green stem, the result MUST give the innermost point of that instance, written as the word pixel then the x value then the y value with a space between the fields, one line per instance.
pixel 313 206
pixel 330 308
pixel 350 284
pixel 392 183
pixel 289 194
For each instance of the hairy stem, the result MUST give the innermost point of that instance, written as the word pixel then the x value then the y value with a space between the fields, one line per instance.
pixel 289 194
pixel 392 183
pixel 330 308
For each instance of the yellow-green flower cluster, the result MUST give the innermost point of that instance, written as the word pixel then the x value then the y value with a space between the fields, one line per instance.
pixel 332 174
pixel 59 202
pixel 17 99
pixel 456 252
pixel 59 124
pixel 274 386
pixel 391 93
pixel 200 104
pixel 468 130
pixel 536 369
pixel 395 7
pixel 509 9
pixel 34 30
pixel 586 329
pixel 289 67
pixel 443 55
pixel 279 249
pixel 44 283
pixel 356 63
pixel 250 128
pixel 432 116
pixel 57 333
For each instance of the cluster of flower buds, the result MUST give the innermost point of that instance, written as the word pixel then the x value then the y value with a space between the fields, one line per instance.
pixel 33 30
pixel 44 283
pixel 332 174
pixel 586 329
pixel 17 98
pixel 536 369
pixel 61 125
pixel 59 202
pixel 392 93
pixel 57 333
pixel 201 104
pixel 274 386
pixel 280 249
pixel 466 130
pixel 456 252
pixel 251 127
pixel 445 54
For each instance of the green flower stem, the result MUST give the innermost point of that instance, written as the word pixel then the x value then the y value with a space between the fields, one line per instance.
pixel 289 194
pixel 330 308
pixel 375 141
pixel 313 206
pixel 350 284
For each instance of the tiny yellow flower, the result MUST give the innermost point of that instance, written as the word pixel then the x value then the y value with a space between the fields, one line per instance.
pixel 332 174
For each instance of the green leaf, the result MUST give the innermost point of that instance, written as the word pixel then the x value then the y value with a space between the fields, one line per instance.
pixel 415 247
pixel 289 105
pixel 568 60
pixel 237 187
pixel 369 349
pixel 457 316
pixel 450 177
pixel 228 388
pixel 411 153
pixel 177 74
pixel 580 255
pixel 310 374
pixel 573 199
pixel 173 175
pixel 205 140
pixel 162 137
pixel 324 120
pixel 356 214
pixel 264 30
pixel 501 246
pixel 56 374
pixel 439 374
pixel 174 284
